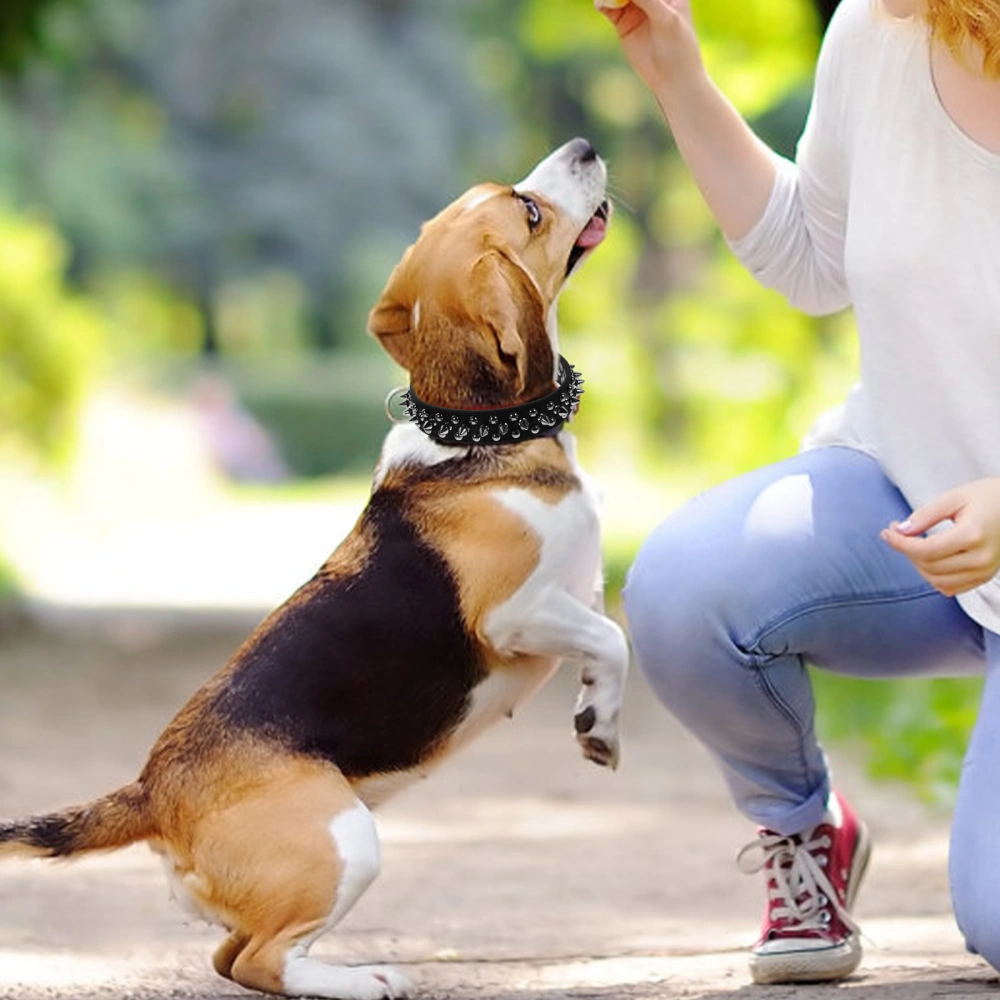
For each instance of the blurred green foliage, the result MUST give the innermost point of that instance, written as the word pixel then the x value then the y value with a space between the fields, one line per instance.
pixel 236 178
pixel 217 144
pixel 23 31
pixel 913 731
pixel 50 340
pixel 326 412
pixel 8 582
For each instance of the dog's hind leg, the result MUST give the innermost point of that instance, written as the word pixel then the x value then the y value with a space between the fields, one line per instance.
pixel 226 953
pixel 280 867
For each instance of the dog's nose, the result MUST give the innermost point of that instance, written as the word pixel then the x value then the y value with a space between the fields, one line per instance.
pixel 582 151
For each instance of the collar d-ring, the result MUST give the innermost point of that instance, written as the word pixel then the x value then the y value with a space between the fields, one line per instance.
pixel 394 406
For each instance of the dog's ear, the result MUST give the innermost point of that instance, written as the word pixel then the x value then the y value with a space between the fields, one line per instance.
pixel 505 303
pixel 391 319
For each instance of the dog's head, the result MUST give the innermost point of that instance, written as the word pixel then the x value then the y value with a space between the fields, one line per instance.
pixel 469 310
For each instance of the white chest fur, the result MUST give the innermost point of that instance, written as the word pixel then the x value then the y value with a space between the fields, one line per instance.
pixel 570 542
pixel 407 444
pixel 567 534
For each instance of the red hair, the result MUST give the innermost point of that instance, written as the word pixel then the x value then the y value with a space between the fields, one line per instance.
pixel 968 26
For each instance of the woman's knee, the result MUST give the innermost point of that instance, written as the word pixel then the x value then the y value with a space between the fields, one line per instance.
pixel 654 590
pixel 719 573
pixel 673 610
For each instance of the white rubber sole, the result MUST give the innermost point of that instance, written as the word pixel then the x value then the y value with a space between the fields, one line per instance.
pixel 825 962
pixel 814 965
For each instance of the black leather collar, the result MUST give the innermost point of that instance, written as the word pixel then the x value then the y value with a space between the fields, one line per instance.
pixel 507 425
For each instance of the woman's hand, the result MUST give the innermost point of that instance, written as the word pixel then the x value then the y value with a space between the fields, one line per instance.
pixel 659 40
pixel 963 555
pixel 733 169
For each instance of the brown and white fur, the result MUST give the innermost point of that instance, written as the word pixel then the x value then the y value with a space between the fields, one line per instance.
pixel 470 574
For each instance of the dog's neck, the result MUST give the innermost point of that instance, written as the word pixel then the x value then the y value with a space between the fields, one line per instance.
pixel 480 389
pixel 514 423
pixel 458 368
pixel 468 381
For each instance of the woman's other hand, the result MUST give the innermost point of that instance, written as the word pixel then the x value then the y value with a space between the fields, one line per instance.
pixel 962 555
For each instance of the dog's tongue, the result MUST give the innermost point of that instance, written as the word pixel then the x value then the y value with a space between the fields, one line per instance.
pixel 593 234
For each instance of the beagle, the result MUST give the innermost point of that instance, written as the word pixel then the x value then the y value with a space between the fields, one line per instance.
pixel 469 575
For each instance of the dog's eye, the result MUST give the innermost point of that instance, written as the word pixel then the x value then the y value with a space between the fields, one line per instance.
pixel 534 213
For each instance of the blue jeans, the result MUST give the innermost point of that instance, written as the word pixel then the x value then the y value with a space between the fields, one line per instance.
pixel 731 596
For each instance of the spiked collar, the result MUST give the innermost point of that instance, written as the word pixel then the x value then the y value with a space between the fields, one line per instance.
pixel 505 425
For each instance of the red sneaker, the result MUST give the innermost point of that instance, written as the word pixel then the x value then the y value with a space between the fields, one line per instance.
pixel 812 879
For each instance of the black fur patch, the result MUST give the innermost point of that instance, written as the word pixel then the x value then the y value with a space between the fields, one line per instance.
pixel 369 671
pixel 54 834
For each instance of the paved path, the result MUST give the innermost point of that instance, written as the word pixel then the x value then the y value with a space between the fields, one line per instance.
pixel 517 871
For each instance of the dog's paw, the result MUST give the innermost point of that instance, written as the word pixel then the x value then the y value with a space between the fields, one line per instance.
pixel 602 752
pixel 584 720
pixel 598 738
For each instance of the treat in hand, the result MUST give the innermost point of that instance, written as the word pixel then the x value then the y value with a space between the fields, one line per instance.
pixel 611 3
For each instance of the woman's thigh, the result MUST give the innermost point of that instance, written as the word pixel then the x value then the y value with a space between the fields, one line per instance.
pixel 787 562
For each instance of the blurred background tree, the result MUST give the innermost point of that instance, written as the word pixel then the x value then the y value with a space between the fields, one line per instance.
pixel 188 186
pixel 23 32
pixel 235 180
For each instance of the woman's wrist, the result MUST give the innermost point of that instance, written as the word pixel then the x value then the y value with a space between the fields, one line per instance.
pixel 682 96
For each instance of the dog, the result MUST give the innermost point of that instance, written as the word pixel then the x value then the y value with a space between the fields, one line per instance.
pixel 472 571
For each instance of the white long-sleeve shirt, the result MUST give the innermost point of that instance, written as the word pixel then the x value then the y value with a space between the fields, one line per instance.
pixel 891 208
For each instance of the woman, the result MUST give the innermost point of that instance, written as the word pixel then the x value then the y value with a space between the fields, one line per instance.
pixel 875 551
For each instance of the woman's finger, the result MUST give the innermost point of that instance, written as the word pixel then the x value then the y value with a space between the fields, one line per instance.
pixel 953 584
pixel 960 562
pixel 959 537
pixel 613 14
pixel 940 545
pixel 927 515
pixel 658 11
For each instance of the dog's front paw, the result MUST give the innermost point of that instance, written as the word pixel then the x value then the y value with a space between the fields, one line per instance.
pixel 598 738
pixel 601 751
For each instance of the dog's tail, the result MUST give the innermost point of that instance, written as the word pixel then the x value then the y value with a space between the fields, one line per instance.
pixel 114 821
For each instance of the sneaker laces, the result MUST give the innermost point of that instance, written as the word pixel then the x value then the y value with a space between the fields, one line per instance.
pixel 800 886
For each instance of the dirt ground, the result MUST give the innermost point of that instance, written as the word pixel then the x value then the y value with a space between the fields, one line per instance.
pixel 517 872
